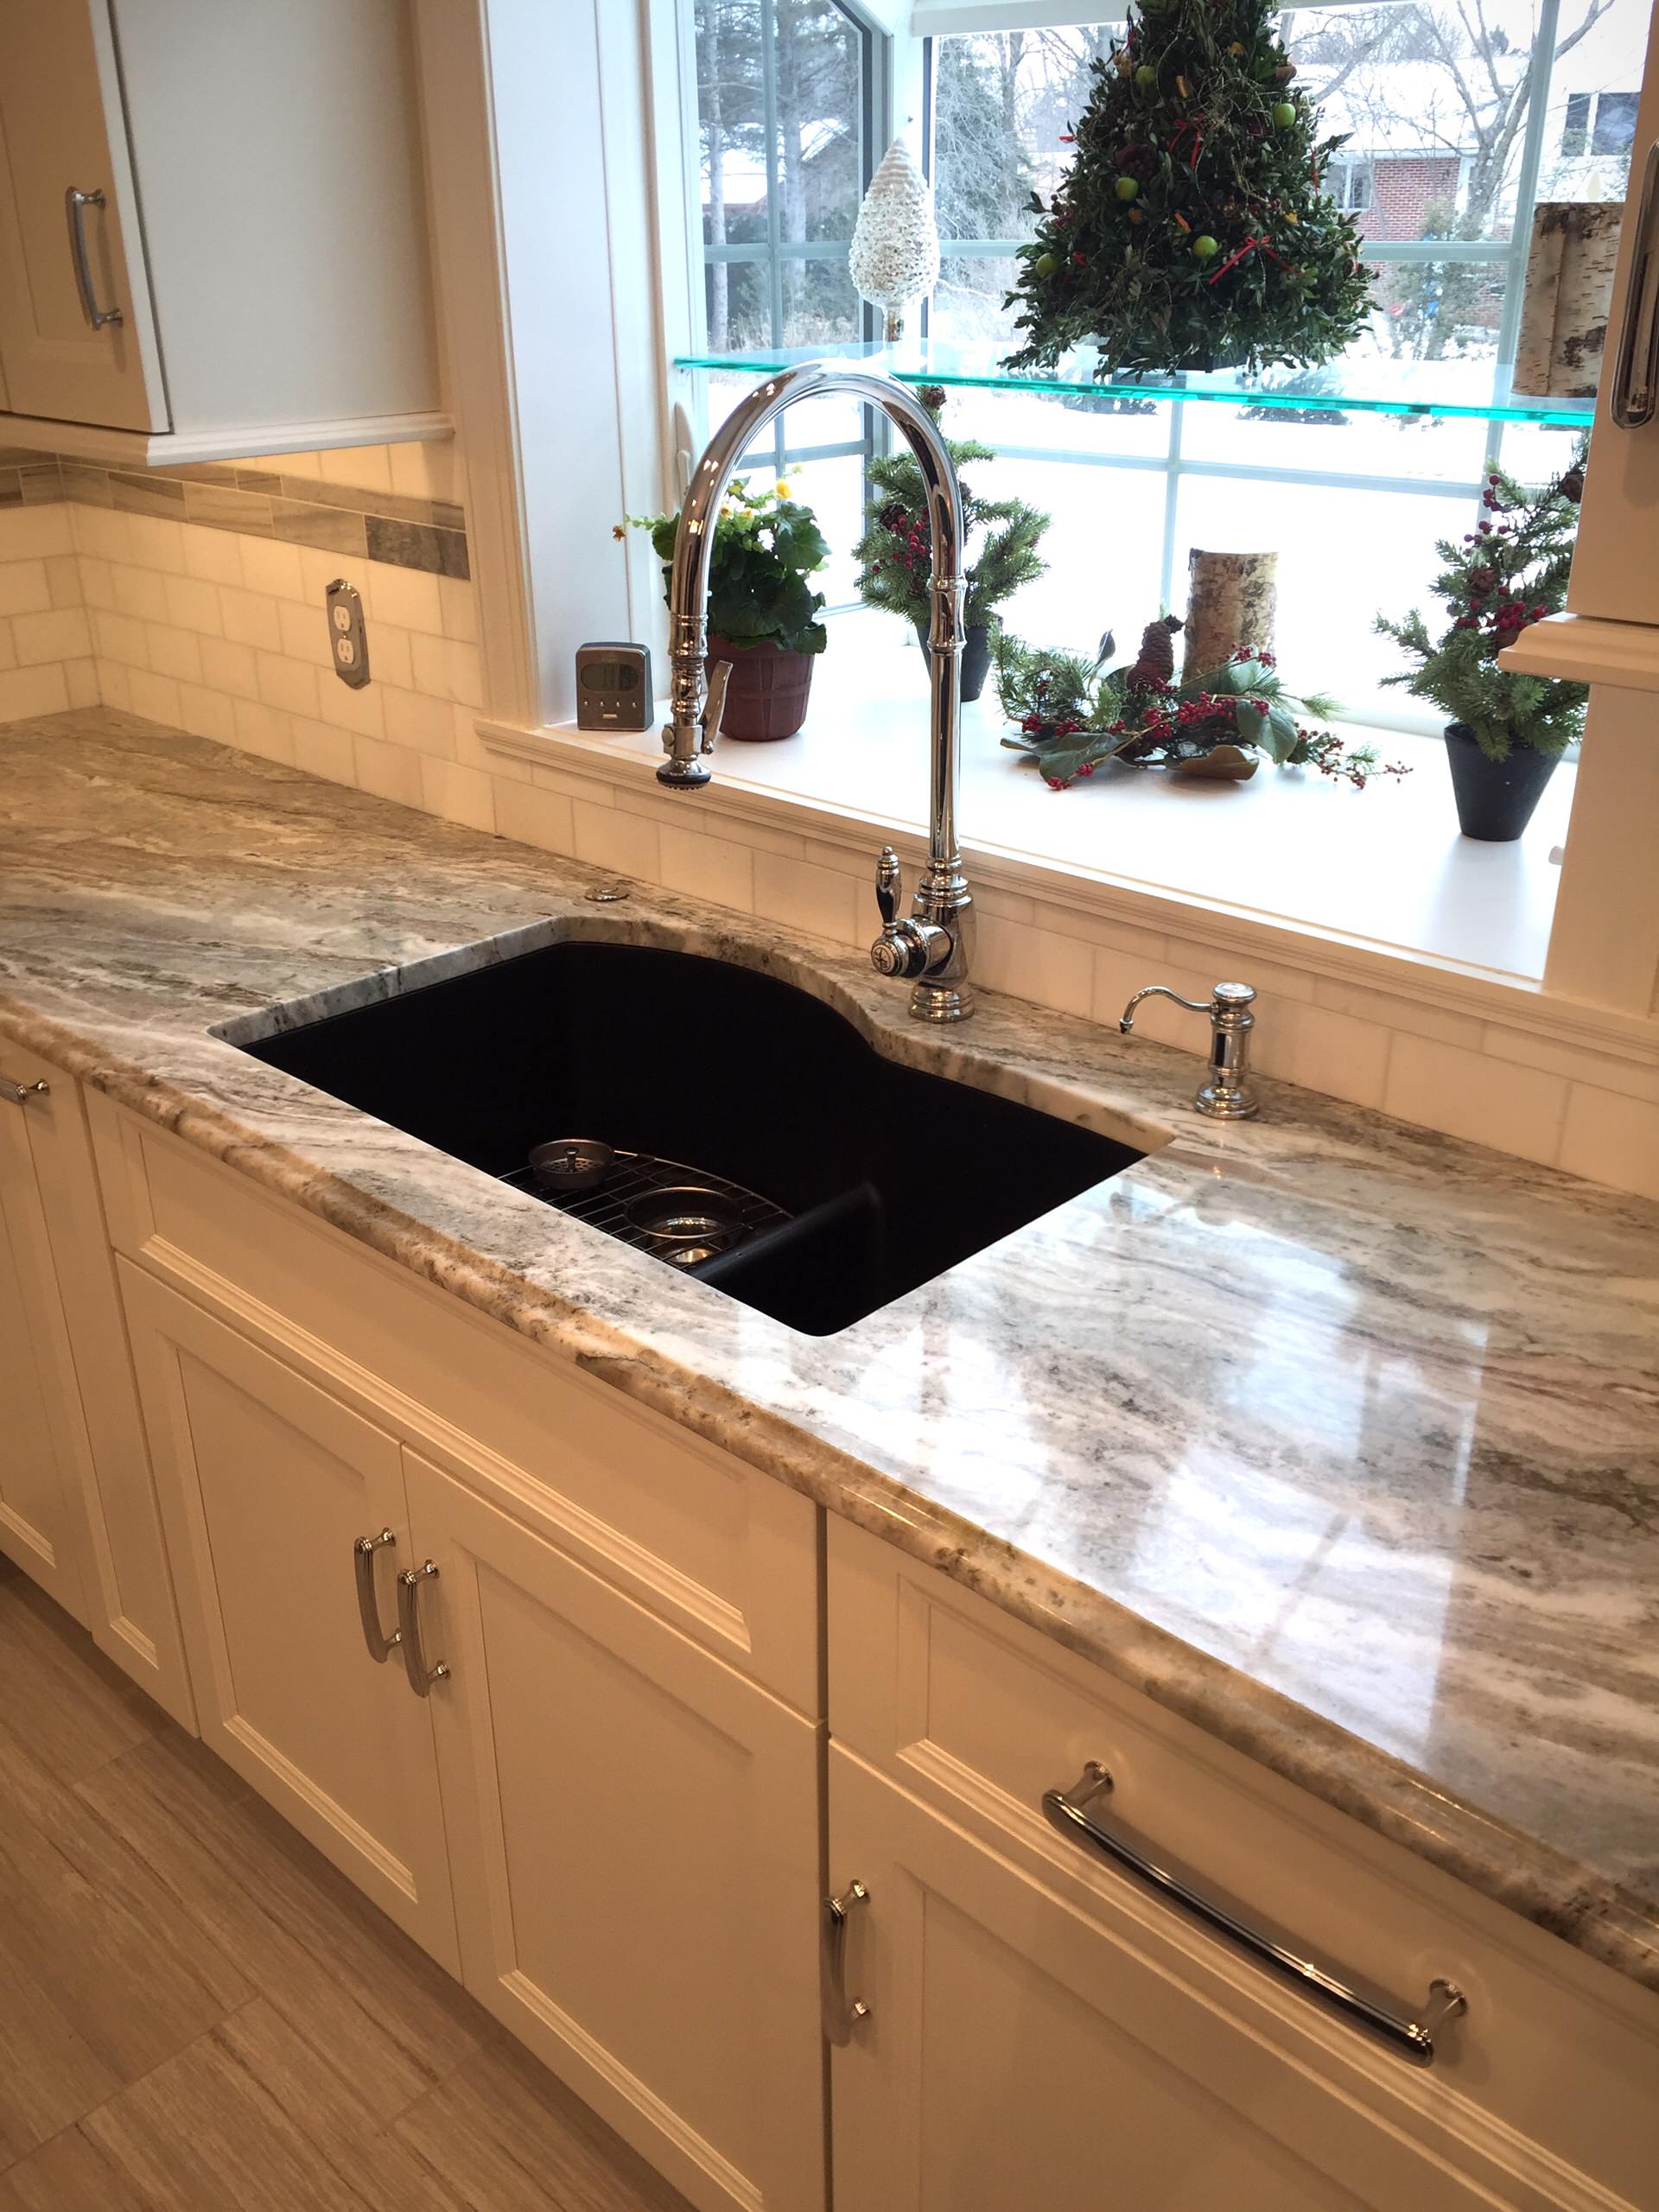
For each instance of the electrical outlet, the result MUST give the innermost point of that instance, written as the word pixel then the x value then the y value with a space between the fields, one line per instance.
pixel 348 639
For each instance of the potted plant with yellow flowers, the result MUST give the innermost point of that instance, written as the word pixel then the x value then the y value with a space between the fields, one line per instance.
pixel 763 612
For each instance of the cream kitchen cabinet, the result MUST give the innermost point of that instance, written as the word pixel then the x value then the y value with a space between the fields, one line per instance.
pixel 587 1776
pixel 1044 2026
pixel 211 232
pixel 36 1383
pixel 267 1483
pixel 78 1508
pixel 1614 576
pixel 634 1830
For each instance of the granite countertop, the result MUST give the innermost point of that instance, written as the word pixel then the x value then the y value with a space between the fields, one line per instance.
pixel 1336 1436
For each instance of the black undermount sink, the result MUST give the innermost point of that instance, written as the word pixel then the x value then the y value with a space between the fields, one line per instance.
pixel 727 1122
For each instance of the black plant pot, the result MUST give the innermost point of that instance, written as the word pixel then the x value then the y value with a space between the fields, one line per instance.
pixel 976 656
pixel 1496 798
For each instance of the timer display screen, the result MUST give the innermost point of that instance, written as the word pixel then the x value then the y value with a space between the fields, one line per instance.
pixel 610 676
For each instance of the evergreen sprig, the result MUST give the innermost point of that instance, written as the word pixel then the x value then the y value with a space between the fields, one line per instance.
pixel 1073 714
pixel 895 553
pixel 1190 233
pixel 1505 575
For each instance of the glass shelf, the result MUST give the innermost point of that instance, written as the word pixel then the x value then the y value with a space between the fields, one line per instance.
pixel 1373 386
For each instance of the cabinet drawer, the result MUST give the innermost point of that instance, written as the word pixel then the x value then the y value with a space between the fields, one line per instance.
pixel 723 1552
pixel 1542 2094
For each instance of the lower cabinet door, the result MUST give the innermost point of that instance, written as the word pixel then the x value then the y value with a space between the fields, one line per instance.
pixel 1014 2053
pixel 266 1484
pixel 634 1839
pixel 36 1382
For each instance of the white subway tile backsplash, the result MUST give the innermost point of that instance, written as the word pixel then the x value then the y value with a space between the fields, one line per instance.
pixel 819 899
pixel 1031 964
pixel 541 818
pixel 207 712
pixel 118 637
pixel 415 719
pixel 61 634
pixel 192 604
pixel 98 531
pixel 174 652
pixel 33 533
pixel 707 867
pixel 82 677
pixel 269 565
pixel 261 730
pixel 458 794
pixel 157 543
pixel 251 618
pixel 97 580
pixel 1612 1139
pixel 155 695
pixel 213 555
pixel 23 587
pixel 388 771
pixel 458 604
pixel 1490 1101
pixel 408 597
pixel 140 592
pixel 43 691
pixel 610 838
pixel 288 685
pixel 8 651
pixel 390 662
pixel 304 633
pixel 227 666
pixel 63 579
pixel 359 711
pixel 1327 1052
pixel 321 750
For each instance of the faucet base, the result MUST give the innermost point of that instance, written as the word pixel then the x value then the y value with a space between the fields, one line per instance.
pixel 1228 1103
pixel 684 775
pixel 941 1002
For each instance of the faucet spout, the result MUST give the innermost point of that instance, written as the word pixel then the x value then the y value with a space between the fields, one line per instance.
pixel 934 946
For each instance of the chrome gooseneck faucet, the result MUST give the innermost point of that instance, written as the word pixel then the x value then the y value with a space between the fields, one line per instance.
pixel 932 946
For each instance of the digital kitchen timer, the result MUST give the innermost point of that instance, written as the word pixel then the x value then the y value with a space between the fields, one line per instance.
pixel 614 687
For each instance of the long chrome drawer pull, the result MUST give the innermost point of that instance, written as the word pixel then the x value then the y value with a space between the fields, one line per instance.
pixel 380 1645
pixel 21 1093
pixel 1414 2038
pixel 421 1676
pixel 840 2018
pixel 1635 372
pixel 76 206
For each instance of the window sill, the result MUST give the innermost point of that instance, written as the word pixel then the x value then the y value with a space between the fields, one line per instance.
pixel 1288 857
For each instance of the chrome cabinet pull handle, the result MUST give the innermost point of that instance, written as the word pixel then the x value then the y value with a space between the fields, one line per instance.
pixel 21 1093
pixel 1413 2037
pixel 840 2018
pixel 421 1676
pixel 380 1645
pixel 76 206
pixel 1636 375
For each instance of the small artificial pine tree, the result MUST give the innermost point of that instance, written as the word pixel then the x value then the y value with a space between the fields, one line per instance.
pixel 895 554
pixel 1191 232
pixel 1507 574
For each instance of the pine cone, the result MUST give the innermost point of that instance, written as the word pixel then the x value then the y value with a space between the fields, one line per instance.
pixel 1156 663
pixel 1572 486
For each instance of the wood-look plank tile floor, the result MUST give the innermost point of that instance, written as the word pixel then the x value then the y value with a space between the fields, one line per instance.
pixel 197 2014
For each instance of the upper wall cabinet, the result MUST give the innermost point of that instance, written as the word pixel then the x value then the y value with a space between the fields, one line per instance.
pixel 212 230
pixel 1613 571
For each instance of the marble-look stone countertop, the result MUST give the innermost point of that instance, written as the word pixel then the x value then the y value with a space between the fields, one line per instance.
pixel 1339 1437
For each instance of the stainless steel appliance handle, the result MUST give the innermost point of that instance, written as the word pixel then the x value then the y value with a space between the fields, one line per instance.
pixel 19 1093
pixel 1414 2037
pixel 380 1645
pixel 421 1676
pixel 840 2018
pixel 1635 373
pixel 75 205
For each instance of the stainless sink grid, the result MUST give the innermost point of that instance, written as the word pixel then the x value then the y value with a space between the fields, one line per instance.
pixel 621 1206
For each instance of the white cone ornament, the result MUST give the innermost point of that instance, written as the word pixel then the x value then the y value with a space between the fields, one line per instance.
pixel 894 256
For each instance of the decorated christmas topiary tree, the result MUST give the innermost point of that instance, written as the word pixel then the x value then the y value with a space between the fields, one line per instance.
pixel 1191 232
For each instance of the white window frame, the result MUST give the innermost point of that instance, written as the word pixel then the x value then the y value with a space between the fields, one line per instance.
pixel 560 167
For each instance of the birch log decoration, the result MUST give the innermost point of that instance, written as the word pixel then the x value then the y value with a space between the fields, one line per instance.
pixel 1568 296
pixel 1231 600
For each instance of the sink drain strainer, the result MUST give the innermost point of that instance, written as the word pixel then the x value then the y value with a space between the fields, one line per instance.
pixel 692 1222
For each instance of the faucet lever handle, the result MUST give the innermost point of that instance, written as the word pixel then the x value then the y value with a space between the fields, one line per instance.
pixel 889 886
pixel 720 675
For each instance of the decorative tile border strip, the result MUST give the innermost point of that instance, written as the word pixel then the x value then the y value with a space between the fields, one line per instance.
pixel 406 533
